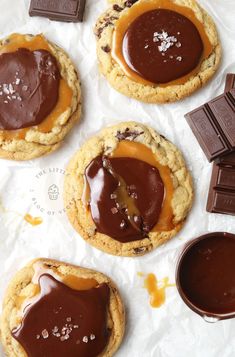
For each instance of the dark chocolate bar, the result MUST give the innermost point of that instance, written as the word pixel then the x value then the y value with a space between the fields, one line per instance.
pixel 221 197
pixel 213 124
pixel 230 82
pixel 58 10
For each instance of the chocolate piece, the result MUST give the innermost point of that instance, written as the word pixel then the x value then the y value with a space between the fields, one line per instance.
pixel 221 197
pixel 58 10
pixel 213 124
pixel 65 322
pixel 128 134
pixel 126 197
pixel 205 275
pixel 162 45
pixel 29 87
pixel 230 82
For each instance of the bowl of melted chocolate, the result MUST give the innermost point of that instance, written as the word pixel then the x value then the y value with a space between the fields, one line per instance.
pixel 205 276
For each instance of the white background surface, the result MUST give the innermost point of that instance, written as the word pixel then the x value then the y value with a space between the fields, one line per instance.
pixel 173 330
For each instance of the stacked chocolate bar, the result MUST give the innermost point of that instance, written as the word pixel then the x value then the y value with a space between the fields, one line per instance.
pixel 213 124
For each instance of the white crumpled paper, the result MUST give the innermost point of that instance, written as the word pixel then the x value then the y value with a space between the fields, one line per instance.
pixel 172 330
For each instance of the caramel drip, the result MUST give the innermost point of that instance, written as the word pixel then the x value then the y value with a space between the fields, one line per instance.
pixel 15 42
pixel 134 12
pixel 122 198
pixel 156 289
pixel 141 152
pixel 34 221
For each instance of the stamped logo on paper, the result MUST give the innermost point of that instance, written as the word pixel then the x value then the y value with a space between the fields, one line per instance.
pixel 47 191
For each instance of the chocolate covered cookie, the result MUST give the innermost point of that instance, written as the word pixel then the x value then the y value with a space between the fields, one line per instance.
pixel 40 97
pixel 128 190
pixel 58 310
pixel 157 51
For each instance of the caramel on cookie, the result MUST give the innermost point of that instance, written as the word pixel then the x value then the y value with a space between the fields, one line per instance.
pixel 56 309
pixel 39 96
pixel 157 50
pixel 128 190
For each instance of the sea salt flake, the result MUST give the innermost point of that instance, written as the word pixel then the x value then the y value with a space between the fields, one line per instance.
pixel 11 89
pixel 92 336
pixel 25 88
pixel 114 210
pixel 85 339
pixel 179 58
pixel 5 89
pixel 17 81
pixel 45 334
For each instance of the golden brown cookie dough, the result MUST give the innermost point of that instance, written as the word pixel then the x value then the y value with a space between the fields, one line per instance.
pixel 35 141
pixel 22 287
pixel 149 92
pixel 178 186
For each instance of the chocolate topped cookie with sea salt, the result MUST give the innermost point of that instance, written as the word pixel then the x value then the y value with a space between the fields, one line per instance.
pixel 158 50
pixel 39 96
pixel 58 310
pixel 128 190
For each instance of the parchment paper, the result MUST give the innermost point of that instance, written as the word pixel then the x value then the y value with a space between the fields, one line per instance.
pixel 172 330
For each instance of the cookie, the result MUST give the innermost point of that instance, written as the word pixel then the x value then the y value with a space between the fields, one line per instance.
pixel 127 190
pixel 40 96
pixel 56 309
pixel 157 51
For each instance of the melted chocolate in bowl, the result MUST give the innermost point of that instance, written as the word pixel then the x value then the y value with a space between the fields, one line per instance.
pixel 64 321
pixel 162 45
pixel 126 197
pixel 29 87
pixel 206 275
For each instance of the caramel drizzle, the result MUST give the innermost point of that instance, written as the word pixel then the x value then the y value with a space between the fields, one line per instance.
pixel 141 152
pixel 38 42
pixel 134 12
pixel 156 289
pixel 34 221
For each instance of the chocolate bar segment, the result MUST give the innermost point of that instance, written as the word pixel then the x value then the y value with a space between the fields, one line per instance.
pixel 221 197
pixel 230 82
pixel 58 10
pixel 213 124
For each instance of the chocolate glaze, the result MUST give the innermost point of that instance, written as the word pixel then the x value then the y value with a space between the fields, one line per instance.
pixel 206 274
pixel 58 307
pixel 142 184
pixel 146 54
pixel 29 87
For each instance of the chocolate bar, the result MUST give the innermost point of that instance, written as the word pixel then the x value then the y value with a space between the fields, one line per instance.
pixel 213 124
pixel 58 10
pixel 221 198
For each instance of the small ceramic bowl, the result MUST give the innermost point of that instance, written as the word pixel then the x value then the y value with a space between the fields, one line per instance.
pixel 208 316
